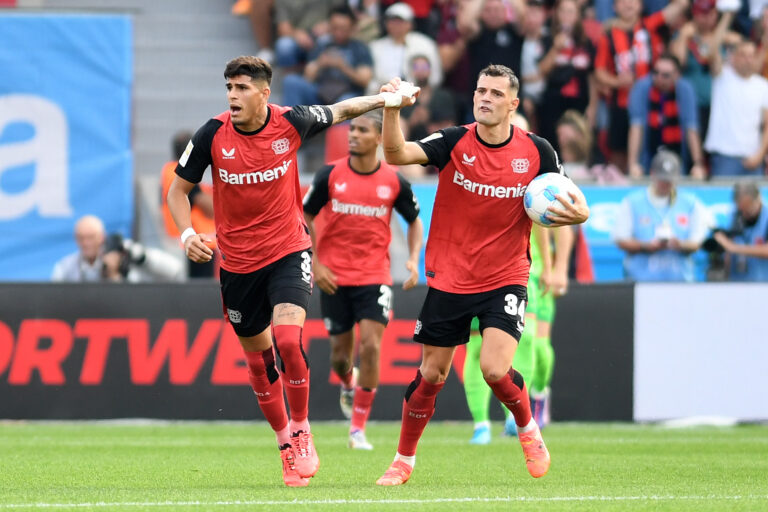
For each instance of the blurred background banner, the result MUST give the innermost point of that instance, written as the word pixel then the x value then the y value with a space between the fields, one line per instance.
pixel 65 134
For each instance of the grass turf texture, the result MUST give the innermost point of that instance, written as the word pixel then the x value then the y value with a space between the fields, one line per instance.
pixel 220 466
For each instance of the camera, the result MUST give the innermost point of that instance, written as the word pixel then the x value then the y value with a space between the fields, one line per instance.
pixel 131 253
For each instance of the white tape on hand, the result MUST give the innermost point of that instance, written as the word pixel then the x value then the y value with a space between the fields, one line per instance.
pixel 407 89
pixel 186 234
pixel 391 99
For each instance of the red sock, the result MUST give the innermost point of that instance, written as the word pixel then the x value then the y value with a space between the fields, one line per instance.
pixel 268 387
pixel 346 379
pixel 361 408
pixel 418 408
pixel 512 392
pixel 287 339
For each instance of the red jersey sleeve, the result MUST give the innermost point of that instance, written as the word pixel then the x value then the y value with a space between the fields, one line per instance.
pixel 654 22
pixel 317 195
pixel 603 58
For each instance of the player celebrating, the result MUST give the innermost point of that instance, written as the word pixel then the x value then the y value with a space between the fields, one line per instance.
pixel 351 263
pixel 266 260
pixel 477 255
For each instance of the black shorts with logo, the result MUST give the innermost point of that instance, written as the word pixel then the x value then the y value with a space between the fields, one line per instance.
pixel 350 304
pixel 445 317
pixel 249 298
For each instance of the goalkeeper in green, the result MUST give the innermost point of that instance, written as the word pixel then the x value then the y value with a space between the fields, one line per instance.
pixel 534 358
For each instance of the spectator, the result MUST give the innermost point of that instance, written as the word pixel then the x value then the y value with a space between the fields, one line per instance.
pixel 261 14
pixel 300 23
pixel 494 34
pixel 574 137
pixel 534 28
pixel 436 108
pixel 113 258
pixel 736 140
pixel 761 39
pixel 339 68
pixel 392 53
pixel 201 199
pixel 692 47
pixel 746 241
pixel 454 57
pixel 625 53
pixel 662 112
pixel 568 69
pixel 660 228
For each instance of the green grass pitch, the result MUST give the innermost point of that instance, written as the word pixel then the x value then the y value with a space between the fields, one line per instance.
pixel 235 467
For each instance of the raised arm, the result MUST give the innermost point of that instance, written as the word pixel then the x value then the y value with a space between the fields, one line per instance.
pixel 715 54
pixel 359 105
pixel 396 150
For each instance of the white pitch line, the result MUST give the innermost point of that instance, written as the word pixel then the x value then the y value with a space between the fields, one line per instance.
pixel 519 499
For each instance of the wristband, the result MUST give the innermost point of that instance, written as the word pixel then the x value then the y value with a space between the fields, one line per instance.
pixel 186 234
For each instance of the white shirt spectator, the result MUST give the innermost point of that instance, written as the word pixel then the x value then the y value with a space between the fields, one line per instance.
pixel 737 111
pixel 391 59
pixel 75 269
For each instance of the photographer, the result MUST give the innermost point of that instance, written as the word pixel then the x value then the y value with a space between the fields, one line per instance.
pixel 113 258
pixel 660 228
pixel 744 242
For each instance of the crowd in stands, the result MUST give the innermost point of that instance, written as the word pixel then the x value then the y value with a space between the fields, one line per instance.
pixel 608 82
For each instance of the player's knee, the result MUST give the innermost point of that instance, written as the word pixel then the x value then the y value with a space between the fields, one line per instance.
pixel 434 374
pixel 493 372
pixel 369 348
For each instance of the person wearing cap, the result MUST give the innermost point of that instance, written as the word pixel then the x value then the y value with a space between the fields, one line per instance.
pixel 662 113
pixel 660 228
pixel 747 246
pixel 393 52
pixel 737 139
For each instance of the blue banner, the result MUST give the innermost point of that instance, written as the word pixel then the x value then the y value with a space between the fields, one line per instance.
pixel 604 203
pixel 65 134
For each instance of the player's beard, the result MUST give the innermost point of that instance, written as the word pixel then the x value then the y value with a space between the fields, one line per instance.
pixel 354 152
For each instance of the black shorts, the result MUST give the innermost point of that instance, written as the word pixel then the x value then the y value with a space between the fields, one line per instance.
pixel 618 128
pixel 350 304
pixel 249 298
pixel 445 317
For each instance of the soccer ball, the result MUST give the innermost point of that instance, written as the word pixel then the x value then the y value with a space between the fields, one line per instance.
pixel 540 195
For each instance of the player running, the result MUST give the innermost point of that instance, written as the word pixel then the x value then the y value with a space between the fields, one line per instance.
pixel 266 257
pixel 351 262
pixel 477 261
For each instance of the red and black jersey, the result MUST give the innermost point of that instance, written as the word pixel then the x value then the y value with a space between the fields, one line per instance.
pixel 632 51
pixel 256 195
pixel 480 234
pixel 358 207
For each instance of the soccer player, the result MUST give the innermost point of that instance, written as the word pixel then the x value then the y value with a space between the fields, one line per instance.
pixel 544 354
pixel 351 262
pixel 477 255
pixel 266 258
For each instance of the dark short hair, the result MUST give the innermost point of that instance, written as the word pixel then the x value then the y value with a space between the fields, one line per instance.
pixel 501 70
pixel 375 117
pixel 179 143
pixel 254 67
pixel 673 59
pixel 344 10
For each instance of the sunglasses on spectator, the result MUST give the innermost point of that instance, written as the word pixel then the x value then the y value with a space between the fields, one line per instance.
pixel 662 74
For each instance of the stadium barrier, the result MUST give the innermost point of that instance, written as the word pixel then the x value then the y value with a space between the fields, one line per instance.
pixel 89 351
